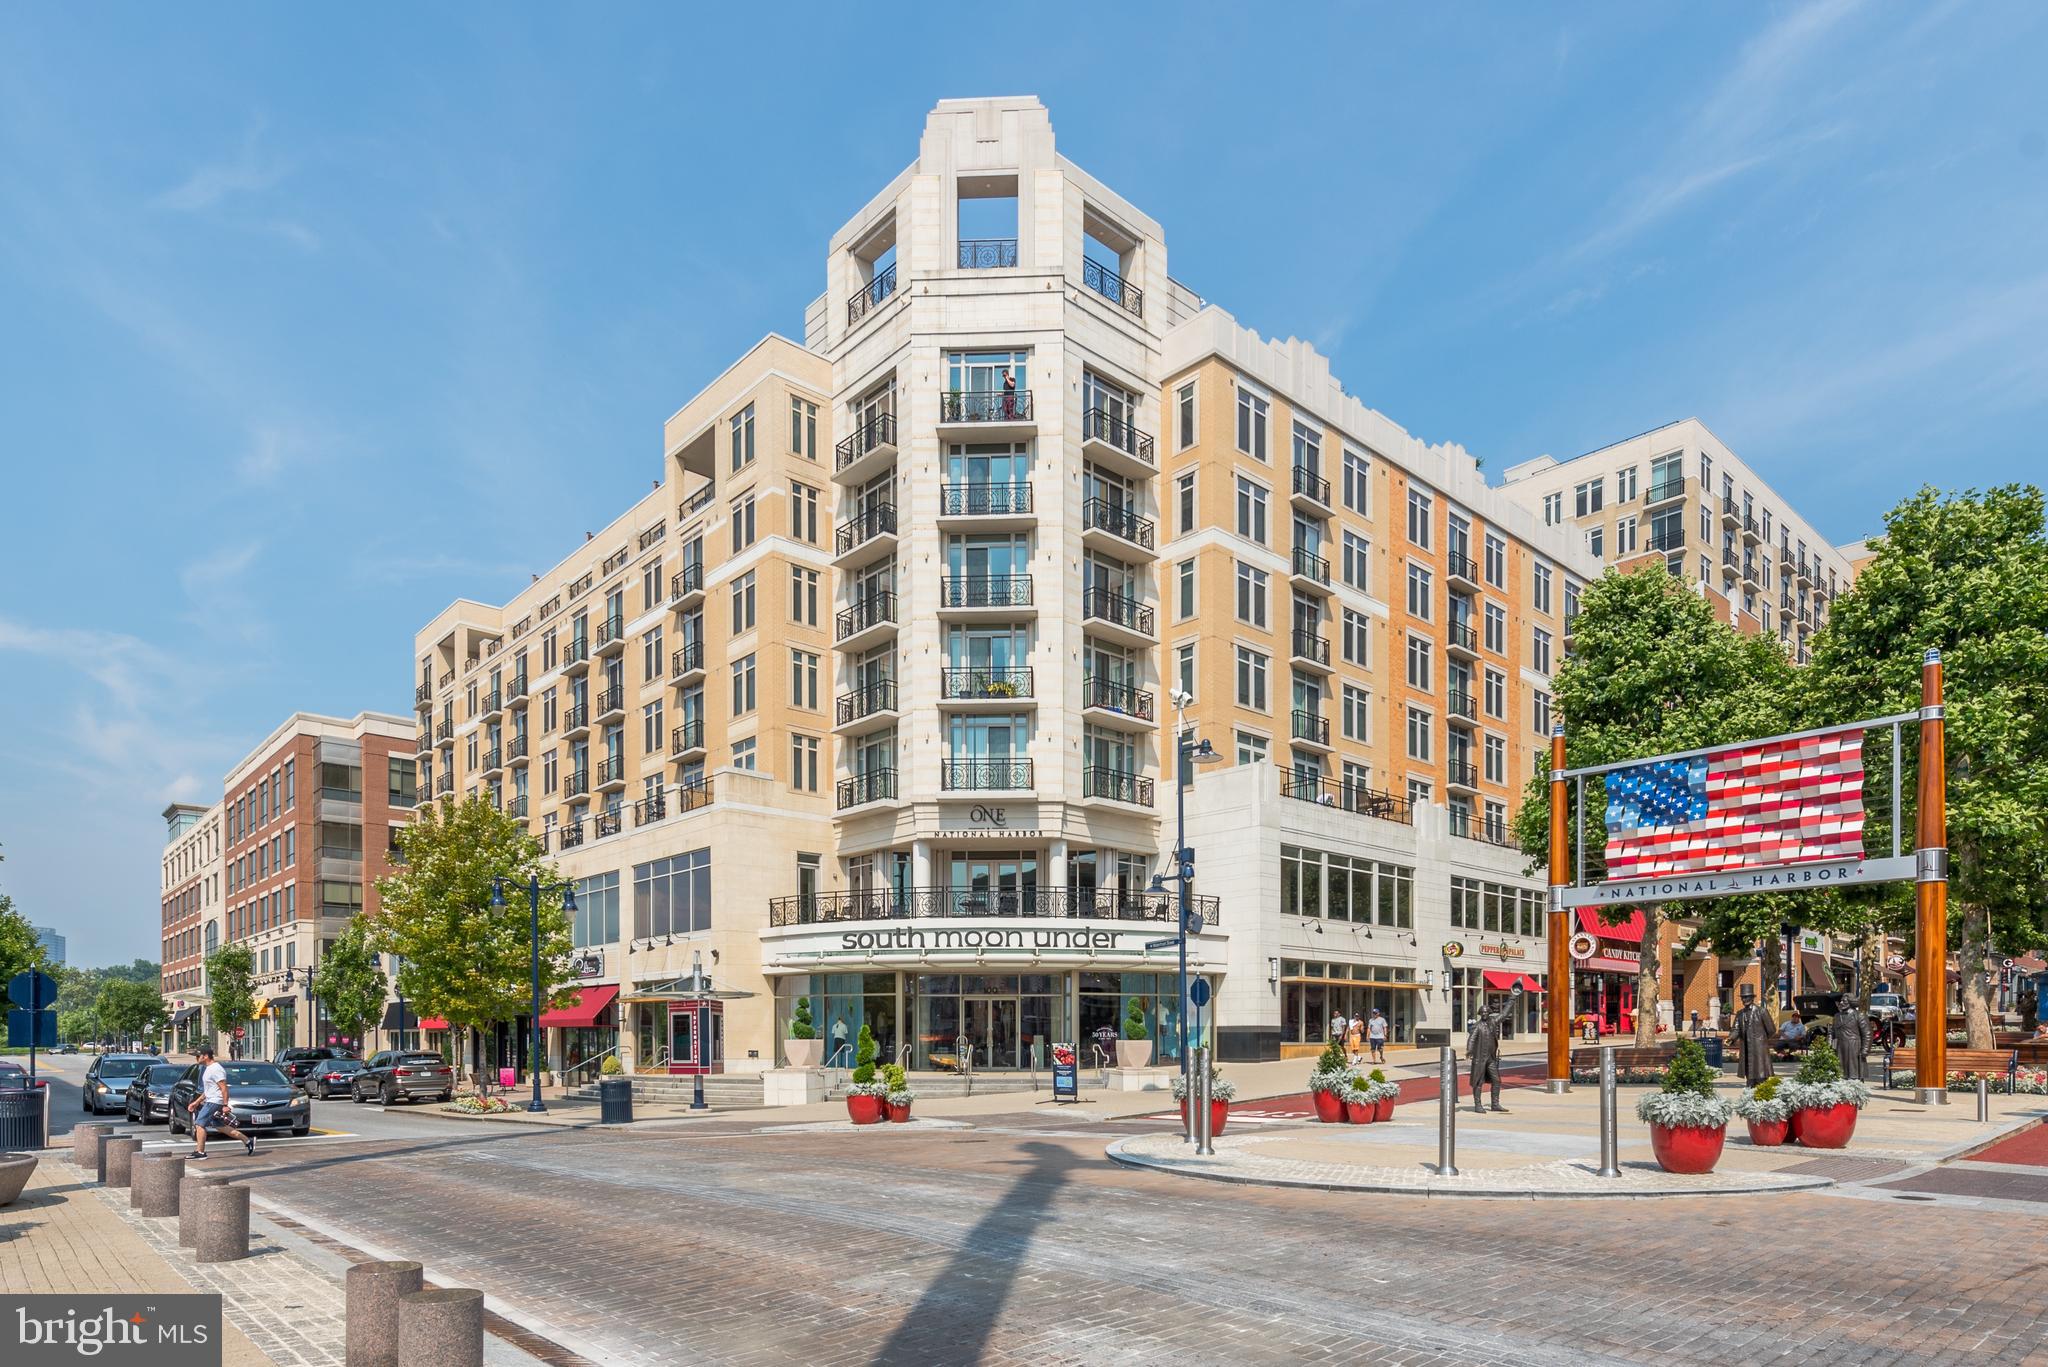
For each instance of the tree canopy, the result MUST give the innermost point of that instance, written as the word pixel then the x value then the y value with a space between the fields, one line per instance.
pixel 351 981
pixel 129 1010
pixel 231 987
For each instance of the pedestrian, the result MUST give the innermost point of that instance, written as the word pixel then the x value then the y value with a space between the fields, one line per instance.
pixel 1337 1026
pixel 1009 394
pixel 1354 1039
pixel 212 1105
pixel 1376 1035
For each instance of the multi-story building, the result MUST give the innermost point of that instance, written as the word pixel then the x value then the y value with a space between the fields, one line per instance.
pixel 193 875
pixel 1677 495
pixel 52 943
pixel 880 658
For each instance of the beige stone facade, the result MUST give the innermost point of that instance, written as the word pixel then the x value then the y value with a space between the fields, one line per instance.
pixel 193 875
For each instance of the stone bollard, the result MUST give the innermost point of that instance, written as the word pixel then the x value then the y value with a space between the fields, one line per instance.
pixel 223 1223
pixel 444 1328
pixel 153 1183
pixel 85 1143
pixel 374 1291
pixel 119 1153
pixel 102 1136
pixel 188 1204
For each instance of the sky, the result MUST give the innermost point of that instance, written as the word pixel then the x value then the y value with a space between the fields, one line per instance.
pixel 311 321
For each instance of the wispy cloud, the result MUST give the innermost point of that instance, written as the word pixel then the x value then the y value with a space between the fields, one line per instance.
pixel 214 189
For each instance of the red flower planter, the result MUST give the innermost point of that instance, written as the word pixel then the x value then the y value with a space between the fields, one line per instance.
pixel 1383 1109
pixel 1361 1112
pixel 1826 1127
pixel 864 1110
pixel 1769 1133
pixel 1687 1149
pixel 1219 1112
pixel 898 1115
pixel 1329 1107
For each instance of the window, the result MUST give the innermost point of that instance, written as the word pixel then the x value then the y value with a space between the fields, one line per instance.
pixel 743 438
pixel 1251 595
pixel 743 754
pixel 1418 733
pixel 1419 663
pixel 742 523
pixel 1184 590
pixel 652 737
pixel 547 771
pixel 743 695
pixel 803 596
pixel 1540 650
pixel 1496 749
pixel 1706 526
pixel 1706 471
pixel 1355 640
pixel 803 513
pixel 1418 791
pixel 597 911
pixel 1553 509
pixel 650 655
pixel 1420 507
pixel 1625 484
pixel 1251 423
pixel 1496 687
pixel 1357 493
pixel 1251 510
pixel 1418 592
pixel 803 763
pixel 1587 498
pixel 1624 537
pixel 1496 561
pixel 1184 410
pixel 1357 561
pixel 743 603
pixel 1301 881
pixel 803 427
pixel 1184 667
pixel 672 896
pixel 1251 679
pixel 1251 748
pixel 1184 502
pixel 803 679
pixel 1540 713
pixel 1596 543
pixel 1354 713
pixel 1539 580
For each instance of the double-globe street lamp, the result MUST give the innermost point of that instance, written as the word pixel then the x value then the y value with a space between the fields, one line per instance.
pixel 1188 752
pixel 534 888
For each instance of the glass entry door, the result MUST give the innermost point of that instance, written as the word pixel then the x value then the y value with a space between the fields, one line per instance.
pixel 990 1024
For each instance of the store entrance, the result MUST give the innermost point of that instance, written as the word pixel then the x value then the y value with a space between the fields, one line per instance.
pixel 990 1025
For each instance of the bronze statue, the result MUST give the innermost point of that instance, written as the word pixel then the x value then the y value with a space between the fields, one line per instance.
pixel 1851 1032
pixel 1482 1044
pixel 1751 1032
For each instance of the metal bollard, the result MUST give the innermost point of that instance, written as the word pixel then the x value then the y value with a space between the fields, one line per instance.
pixel 188 1204
pixel 1983 1099
pixel 223 1224
pixel 370 1329
pixel 118 1159
pixel 1205 1116
pixel 1447 1113
pixel 153 1183
pixel 1610 1124
pixel 444 1327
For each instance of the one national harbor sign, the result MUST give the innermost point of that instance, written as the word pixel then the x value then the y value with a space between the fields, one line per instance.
pixel 1779 878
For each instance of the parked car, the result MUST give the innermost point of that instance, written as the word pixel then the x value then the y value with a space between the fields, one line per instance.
pixel 297 1063
pixel 260 1097
pixel 107 1081
pixel 14 1076
pixel 392 1076
pixel 1885 1005
pixel 149 1096
pixel 329 1077
pixel 65 1049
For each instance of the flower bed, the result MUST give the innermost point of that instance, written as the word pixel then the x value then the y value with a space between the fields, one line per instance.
pixel 2031 1082
pixel 1623 1077
pixel 480 1105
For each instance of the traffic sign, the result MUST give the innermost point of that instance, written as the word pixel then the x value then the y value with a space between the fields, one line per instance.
pixel 31 1029
pixel 1198 992
pixel 33 989
pixel 1168 943
pixel 2010 963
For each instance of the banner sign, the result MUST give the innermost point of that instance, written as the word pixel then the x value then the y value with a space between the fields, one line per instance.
pixel 1776 878
pixel 1066 1078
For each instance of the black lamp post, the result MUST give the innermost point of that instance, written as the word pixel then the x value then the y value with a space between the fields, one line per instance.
pixel 534 888
pixel 1188 752
pixel 397 967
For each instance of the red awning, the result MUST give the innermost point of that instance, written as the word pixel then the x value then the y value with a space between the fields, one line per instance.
pixel 1530 984
pixel 1600 964
pixel 1629 931
pixel 433 1023
pixel 590 1004
pixel 1498 980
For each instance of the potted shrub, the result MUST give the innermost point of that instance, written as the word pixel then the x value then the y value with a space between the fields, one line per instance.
pixel 1361 1103
pixel 1688 1123
pixel 1221 1094
pixel 804 1049
pixel 1134 1050
pixel 1327 1083
pixel 1823 1102
pixel 611 1067
pixel 1766 1113
pixel 1384 1094
pixel 866 1097
pixel 900 1096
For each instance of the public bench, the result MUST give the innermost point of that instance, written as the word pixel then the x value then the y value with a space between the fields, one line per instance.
pixel 1642 1057
pixel 1992 1061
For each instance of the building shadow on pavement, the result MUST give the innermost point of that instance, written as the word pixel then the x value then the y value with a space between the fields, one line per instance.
pixel 953 1319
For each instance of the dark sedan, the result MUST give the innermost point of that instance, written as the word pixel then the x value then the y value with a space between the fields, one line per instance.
pixel 394 1076
pixel 149 1096
pixel 299 1063
pixel 107 1081
pixel 329 1077
pixel 261 1097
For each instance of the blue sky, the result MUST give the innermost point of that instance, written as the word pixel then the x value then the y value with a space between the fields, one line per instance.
pixel 308 326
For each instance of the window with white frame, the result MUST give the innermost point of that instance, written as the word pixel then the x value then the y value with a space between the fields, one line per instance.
pixel 1184 590
pixel 1184 502
pixel 1495 751
pixel 1356 641
pixel 1625 484
pixel 1421 509
pixel 1539 653
pixel 1419 589
pixel 1587 498
pixel 1251 595
pixel 1418 733
pixel 1539 579
pixel 1494 630
pixel 1553 509
pixel 1251 679
pixel 1625 536
pixel 1251 510
pixel 1357 488
pixel 1420 664
pixel 1184 410
pixel 1252 414
pixel 1356 711
pixel 1251 748
pixel 1357 562
pixel 743 438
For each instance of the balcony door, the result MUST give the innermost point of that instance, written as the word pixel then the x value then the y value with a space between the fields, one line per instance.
pixel 1115 402
pixel 994 884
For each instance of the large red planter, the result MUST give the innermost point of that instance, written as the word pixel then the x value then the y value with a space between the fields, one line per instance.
pixel 1329 1107
pixel 864 1110
pixel 1769 1133
pixel 1826 1127
pixel 1687 1149
pixel 1383 1109
pixel 898 1115
pixel 1219 1112
pixel 1361 1112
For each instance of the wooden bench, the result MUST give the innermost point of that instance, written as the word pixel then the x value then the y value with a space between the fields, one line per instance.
pixel 1994 1061
pixel 1626 1056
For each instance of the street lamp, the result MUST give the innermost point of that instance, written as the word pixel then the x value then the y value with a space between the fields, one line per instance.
pixel 1188 752
pixel 534 888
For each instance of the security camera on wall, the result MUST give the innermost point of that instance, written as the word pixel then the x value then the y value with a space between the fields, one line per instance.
pixel 1181 697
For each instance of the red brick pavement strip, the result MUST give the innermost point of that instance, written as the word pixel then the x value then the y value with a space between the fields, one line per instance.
pixel 2028 1147
pixel 1029 1246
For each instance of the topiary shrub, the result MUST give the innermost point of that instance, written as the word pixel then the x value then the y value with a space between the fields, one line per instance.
pixel 1134 1021
pixel 1820 1064
pixel 800 1026
pixel 864 1058
pixel 611 1067
pixel 1689 1071
pixel 1820 1084
pixel 1686 1100
pixel 1333 1070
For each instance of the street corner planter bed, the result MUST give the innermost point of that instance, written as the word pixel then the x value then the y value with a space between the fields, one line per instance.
pixel 1823 1103
pixel 865 1108
pixel 1221 1093
pixel 1766 1113
pixel 15 1170
pixel 1329 1105
pixel 1688 1121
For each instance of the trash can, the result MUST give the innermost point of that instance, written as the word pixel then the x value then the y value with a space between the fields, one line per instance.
pixel 21 1119
pixel 615 1101
pixel 1715 1048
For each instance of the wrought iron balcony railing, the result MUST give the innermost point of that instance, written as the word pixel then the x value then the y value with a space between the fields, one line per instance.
pixel 985 405
pixel 1307 645
pixel 610 821
pixel 515 749
pixel 986 682
pixel 1099 424
pixel 1113 287
pixel 612 769
pixel 869 295
pixel 871 611
pixel 1312 727
pixel 987 253
pixel 1461 567
pixel 876 521
pixel 975 775
pixel 876 785
pixel 1461 636
pixel 1351 797
pixel 1120 609
pixel 576 784
pixel 1459 703
pixel 1470 826
pixel 986 591
pixel 1663 491
pixel 569 835
pixel 902 904
pixel 687 737
pixel 1099 514
pixel 1116 696
pixel 1309 484
pixel 867 700
pixel 869 434
pixel 1460 774
pixel 686 581
pixel 985 500
pixel 688 660
pixel 1118 785
pixel 1309 565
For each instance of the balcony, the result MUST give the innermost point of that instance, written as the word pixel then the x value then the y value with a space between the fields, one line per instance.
pixel 445 784
pixel 1728 557
pixel 961 594
pixel 876 785
pixel 516 808
pixel 988 683
pixel 871 445
pixel 611 637
pixel 1310 649
pixel 1310 570
pixel 1120 704
pixel 1668 539
pixel 864 300
pixel 1350 797
pixel 1467 826
pixel 1122 614
pixel 1731 511
pixel 877 525
pixel 985 775
pixel 1750 530
pixel 1311 728
pixel 576 656
pixel 871 618
pixel 993 412
pixel 1116 785
pixel 987 253
pixel 443 730
pixel 987 504
pixel 1113 287
pixel 1033 902
pixel 1462 776
pixel 1664 491
pixel 515 691
pixel 687 740
pixel 611 704
pixel 1461 639
pixel 696 502
pixel 1461 570
pixel 569 835
pixel 422 695
pixel 515 751
pixel 869 700
pixel 1751 574
pixel 649 810
pixel 577 784
pixel 493 703
pixel 1804 571
pixel 494 760
pixel 1461 707
pixel 1117 444
pixel 576 721
pixel 1311 488
pixel 1103 520
pixel 424 742
pixel 687 665
pixel 686 585
pixel 611 773
pixel 610 821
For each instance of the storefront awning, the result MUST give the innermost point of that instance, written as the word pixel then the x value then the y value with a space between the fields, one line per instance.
pixel 1629 931
pixel 1601 964
pixel 412 1019
pixel 183 1014
pixel 433 1023
pixel 283 1003
pixel 590 1003
pixel 1502 981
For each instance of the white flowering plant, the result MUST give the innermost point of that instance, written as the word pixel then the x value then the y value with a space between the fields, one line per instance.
pixel 1762 1104
pixel 1220 1088
pixel 1686 1100
pixel 1374 1086
pixel 897 1085
pixel 1820 1085
pixel 1332 1072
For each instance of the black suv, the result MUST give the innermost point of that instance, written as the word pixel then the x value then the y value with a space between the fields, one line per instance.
pixel 297 1063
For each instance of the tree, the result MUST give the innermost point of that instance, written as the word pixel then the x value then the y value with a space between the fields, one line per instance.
pixel 19 947
pixel 1652 671
pixel 75 1027
pixel 351 981
pixel 460 957
pixel 130 1010
pixel 1967 574
pixel 230 983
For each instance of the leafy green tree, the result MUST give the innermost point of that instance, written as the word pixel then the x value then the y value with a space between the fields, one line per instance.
pixel 1968 574
pixel 1652 671
pixel 461 958
pixel 130 1010
pixel 351 981
pixel 76 1026
pixel 19 948
pixel 231 985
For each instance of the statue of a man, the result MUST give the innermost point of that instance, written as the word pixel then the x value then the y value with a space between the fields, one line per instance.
pixel 1851 1032
pixel 1751 1030
pixel 1482 1044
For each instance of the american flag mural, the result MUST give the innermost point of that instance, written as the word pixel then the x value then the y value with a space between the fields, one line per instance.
pixel 1771 802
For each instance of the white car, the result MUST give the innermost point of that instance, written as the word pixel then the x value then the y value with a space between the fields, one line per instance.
pixel 1885 1006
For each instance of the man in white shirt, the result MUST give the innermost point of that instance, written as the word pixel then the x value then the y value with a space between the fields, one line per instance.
pixel 1376 1036
pixel 211 1104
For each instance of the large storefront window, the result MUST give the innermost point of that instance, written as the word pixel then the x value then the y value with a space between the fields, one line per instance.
pixel 1106 998
pixel 1311 993
pixel 672 896
pixel 1345 888
pixel 996 1020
